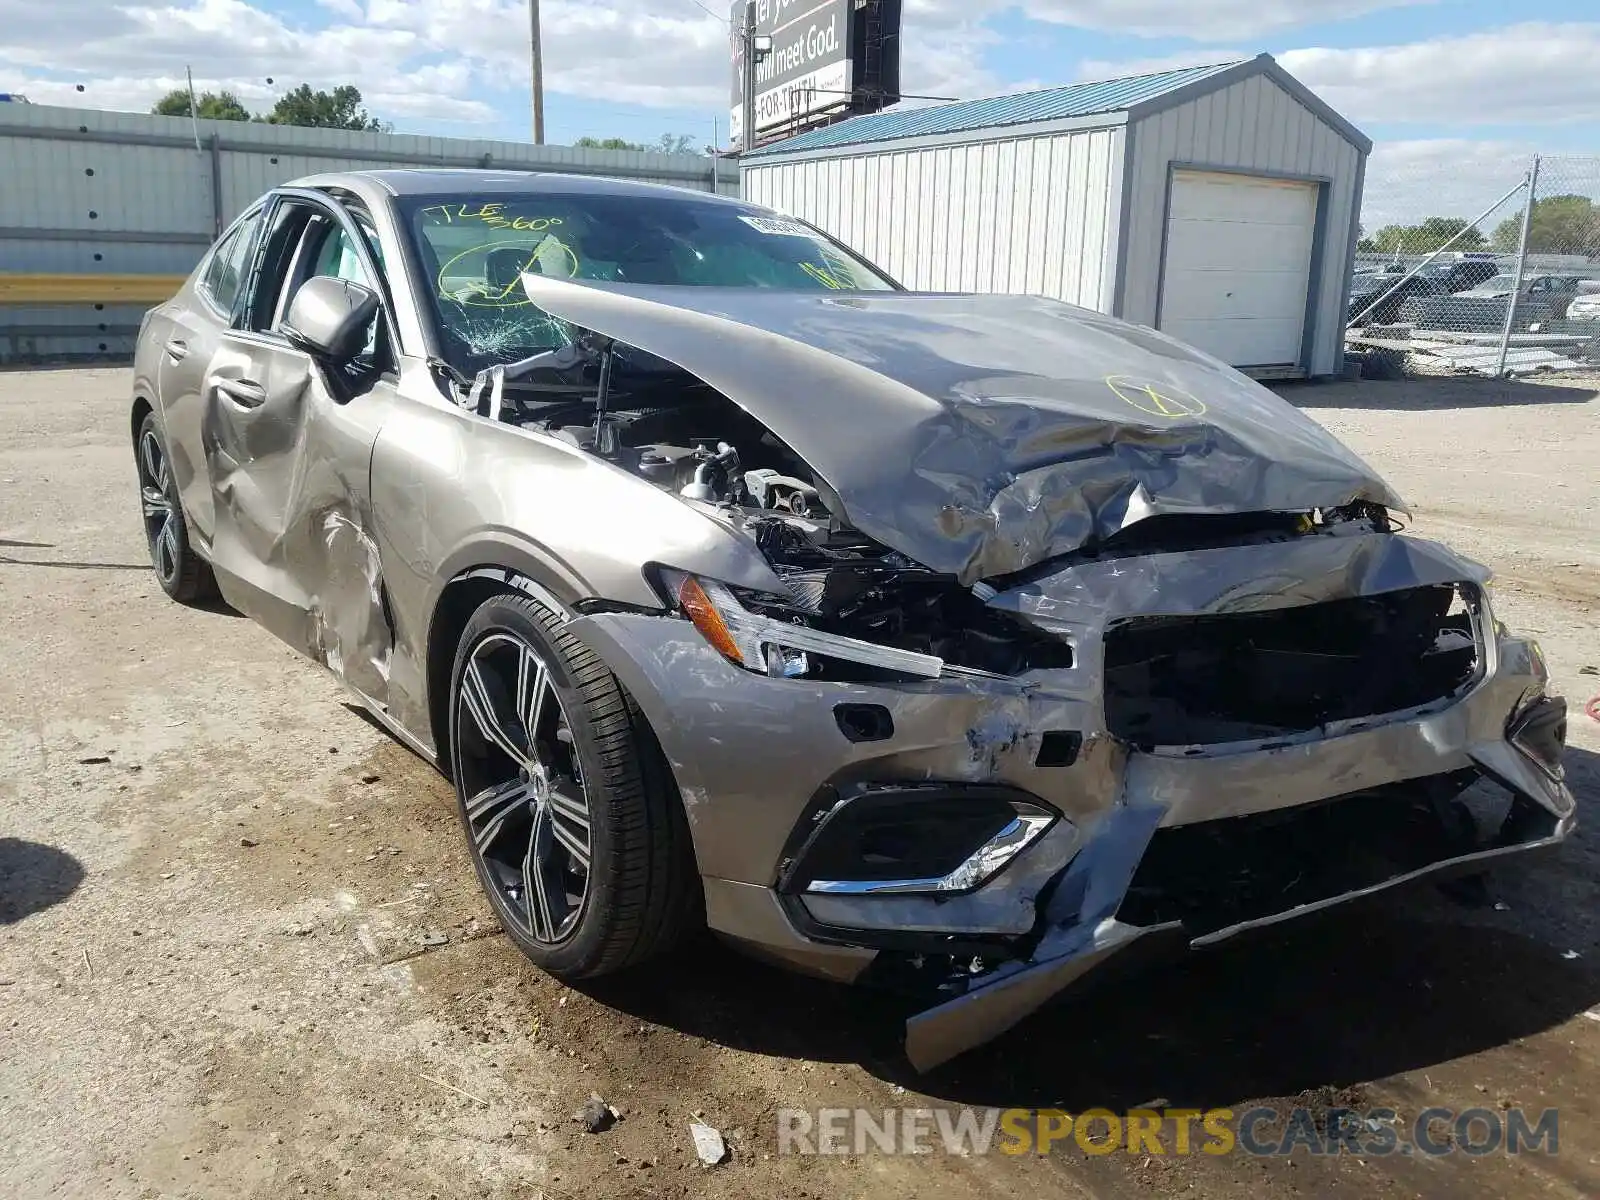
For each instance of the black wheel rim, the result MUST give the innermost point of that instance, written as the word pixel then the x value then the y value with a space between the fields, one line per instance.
pixel 522 788
pixel 159 505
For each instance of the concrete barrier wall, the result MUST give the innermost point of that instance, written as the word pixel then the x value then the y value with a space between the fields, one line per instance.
pixel 87 194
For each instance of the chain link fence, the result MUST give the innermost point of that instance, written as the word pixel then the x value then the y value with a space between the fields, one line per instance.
pixel 1490 268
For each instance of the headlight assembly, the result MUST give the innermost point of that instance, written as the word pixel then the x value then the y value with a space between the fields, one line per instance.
pixel 769 646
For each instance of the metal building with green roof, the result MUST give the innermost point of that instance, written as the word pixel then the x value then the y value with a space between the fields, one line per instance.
pixel 1217 203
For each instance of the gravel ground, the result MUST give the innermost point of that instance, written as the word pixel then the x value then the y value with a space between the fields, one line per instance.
pixel 242 953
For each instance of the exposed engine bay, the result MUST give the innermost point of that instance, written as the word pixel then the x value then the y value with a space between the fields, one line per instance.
pixel 687 438
pixel 669 428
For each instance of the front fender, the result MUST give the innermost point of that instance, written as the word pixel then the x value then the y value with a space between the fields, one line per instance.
pixel 452 492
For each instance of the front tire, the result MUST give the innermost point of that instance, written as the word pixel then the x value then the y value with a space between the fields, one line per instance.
pixel 572 820
pixel 182 573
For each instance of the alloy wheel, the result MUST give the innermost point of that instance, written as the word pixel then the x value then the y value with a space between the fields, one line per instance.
pixel 160 507
pixel 526 806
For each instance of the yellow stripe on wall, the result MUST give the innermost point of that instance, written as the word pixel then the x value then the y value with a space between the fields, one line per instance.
pixel 87 289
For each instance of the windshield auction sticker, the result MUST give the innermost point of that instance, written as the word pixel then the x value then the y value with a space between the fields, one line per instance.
pixel 777 226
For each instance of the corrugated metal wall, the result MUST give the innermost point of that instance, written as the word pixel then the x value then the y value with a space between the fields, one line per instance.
pixel 1012 214
pixel 91 192
pixel 1251 125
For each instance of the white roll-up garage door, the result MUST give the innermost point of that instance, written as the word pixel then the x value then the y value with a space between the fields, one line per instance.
pixel 1238 263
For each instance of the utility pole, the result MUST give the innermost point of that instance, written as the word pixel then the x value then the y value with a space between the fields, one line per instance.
pixel 747 90
pixel 538 73
pixel 752 50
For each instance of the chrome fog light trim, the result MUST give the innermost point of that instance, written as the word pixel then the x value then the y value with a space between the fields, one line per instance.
pixel 1023 830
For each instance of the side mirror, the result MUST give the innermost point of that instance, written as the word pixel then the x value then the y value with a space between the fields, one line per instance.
pixel 329 318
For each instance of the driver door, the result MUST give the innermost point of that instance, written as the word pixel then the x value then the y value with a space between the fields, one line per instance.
pixel 288 444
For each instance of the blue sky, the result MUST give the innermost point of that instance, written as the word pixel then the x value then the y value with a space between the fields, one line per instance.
pixel 1458 92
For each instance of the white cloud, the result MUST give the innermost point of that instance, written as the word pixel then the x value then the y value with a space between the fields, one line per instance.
pixel 441 61
pixel 454 60
pixel 1208 21
pixel 949 59
pixel 673 59
pixel 1529 73
pixel 1199 20
pixel 1451 177
pixel 1098 68
pixel 1534 72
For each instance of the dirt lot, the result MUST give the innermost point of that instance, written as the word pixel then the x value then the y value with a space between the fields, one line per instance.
pixel 242 954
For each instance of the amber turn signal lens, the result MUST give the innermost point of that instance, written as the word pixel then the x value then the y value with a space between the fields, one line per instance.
pixel 698 608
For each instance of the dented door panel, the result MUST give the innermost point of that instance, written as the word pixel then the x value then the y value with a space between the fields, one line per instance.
pixel 289 468
pixel 189 334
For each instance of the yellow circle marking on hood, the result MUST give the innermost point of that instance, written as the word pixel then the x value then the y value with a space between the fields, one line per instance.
pixel 1159 399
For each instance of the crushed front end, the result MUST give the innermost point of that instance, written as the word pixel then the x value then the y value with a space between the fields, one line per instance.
pixel 1058 637
pixel 982 794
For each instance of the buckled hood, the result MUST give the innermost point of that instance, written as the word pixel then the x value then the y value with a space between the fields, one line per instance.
pixel 981 435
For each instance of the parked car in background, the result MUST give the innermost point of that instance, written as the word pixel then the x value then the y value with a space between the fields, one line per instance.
pixel 1541 299
pixel 1585 306
pixel 1459 276
pixel 1436 279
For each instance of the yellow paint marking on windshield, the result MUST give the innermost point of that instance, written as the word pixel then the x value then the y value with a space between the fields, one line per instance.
pixel 494 216
pixel 511 295
pixel 822 276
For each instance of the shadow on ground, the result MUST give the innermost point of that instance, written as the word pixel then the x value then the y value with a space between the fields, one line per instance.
pixel 72 566
pixel 215 605
pixel 1370 990
pixel 34 876
pixel 1432 394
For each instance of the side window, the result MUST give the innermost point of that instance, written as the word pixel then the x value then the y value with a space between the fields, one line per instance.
pixel 219 261
pixel 322 247
pixel 277 263
pixel 337 257
pixel 229 265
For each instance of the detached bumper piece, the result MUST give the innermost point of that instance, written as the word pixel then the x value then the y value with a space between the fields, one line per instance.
pixel 1217 878
pixel 1136 883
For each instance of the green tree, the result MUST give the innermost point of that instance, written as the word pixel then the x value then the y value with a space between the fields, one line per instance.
pixel 1430 235
pixel 612 143
pixel 338 109
pixel 1561 225
pixel 213 106
pixel 667 143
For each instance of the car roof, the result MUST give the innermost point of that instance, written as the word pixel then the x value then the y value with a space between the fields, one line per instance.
pixel 426 181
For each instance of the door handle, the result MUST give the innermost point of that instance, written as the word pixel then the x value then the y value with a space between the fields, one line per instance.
pixel 177 349
pixel 246 393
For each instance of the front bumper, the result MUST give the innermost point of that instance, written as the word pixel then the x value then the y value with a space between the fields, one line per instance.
pixel 752 755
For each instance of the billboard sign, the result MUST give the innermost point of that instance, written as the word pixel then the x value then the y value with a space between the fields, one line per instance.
pixel 810 68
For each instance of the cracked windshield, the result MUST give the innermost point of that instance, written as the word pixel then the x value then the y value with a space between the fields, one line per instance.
pixel 474 249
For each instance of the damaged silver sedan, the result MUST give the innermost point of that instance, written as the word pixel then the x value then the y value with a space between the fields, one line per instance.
pixel 956 644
